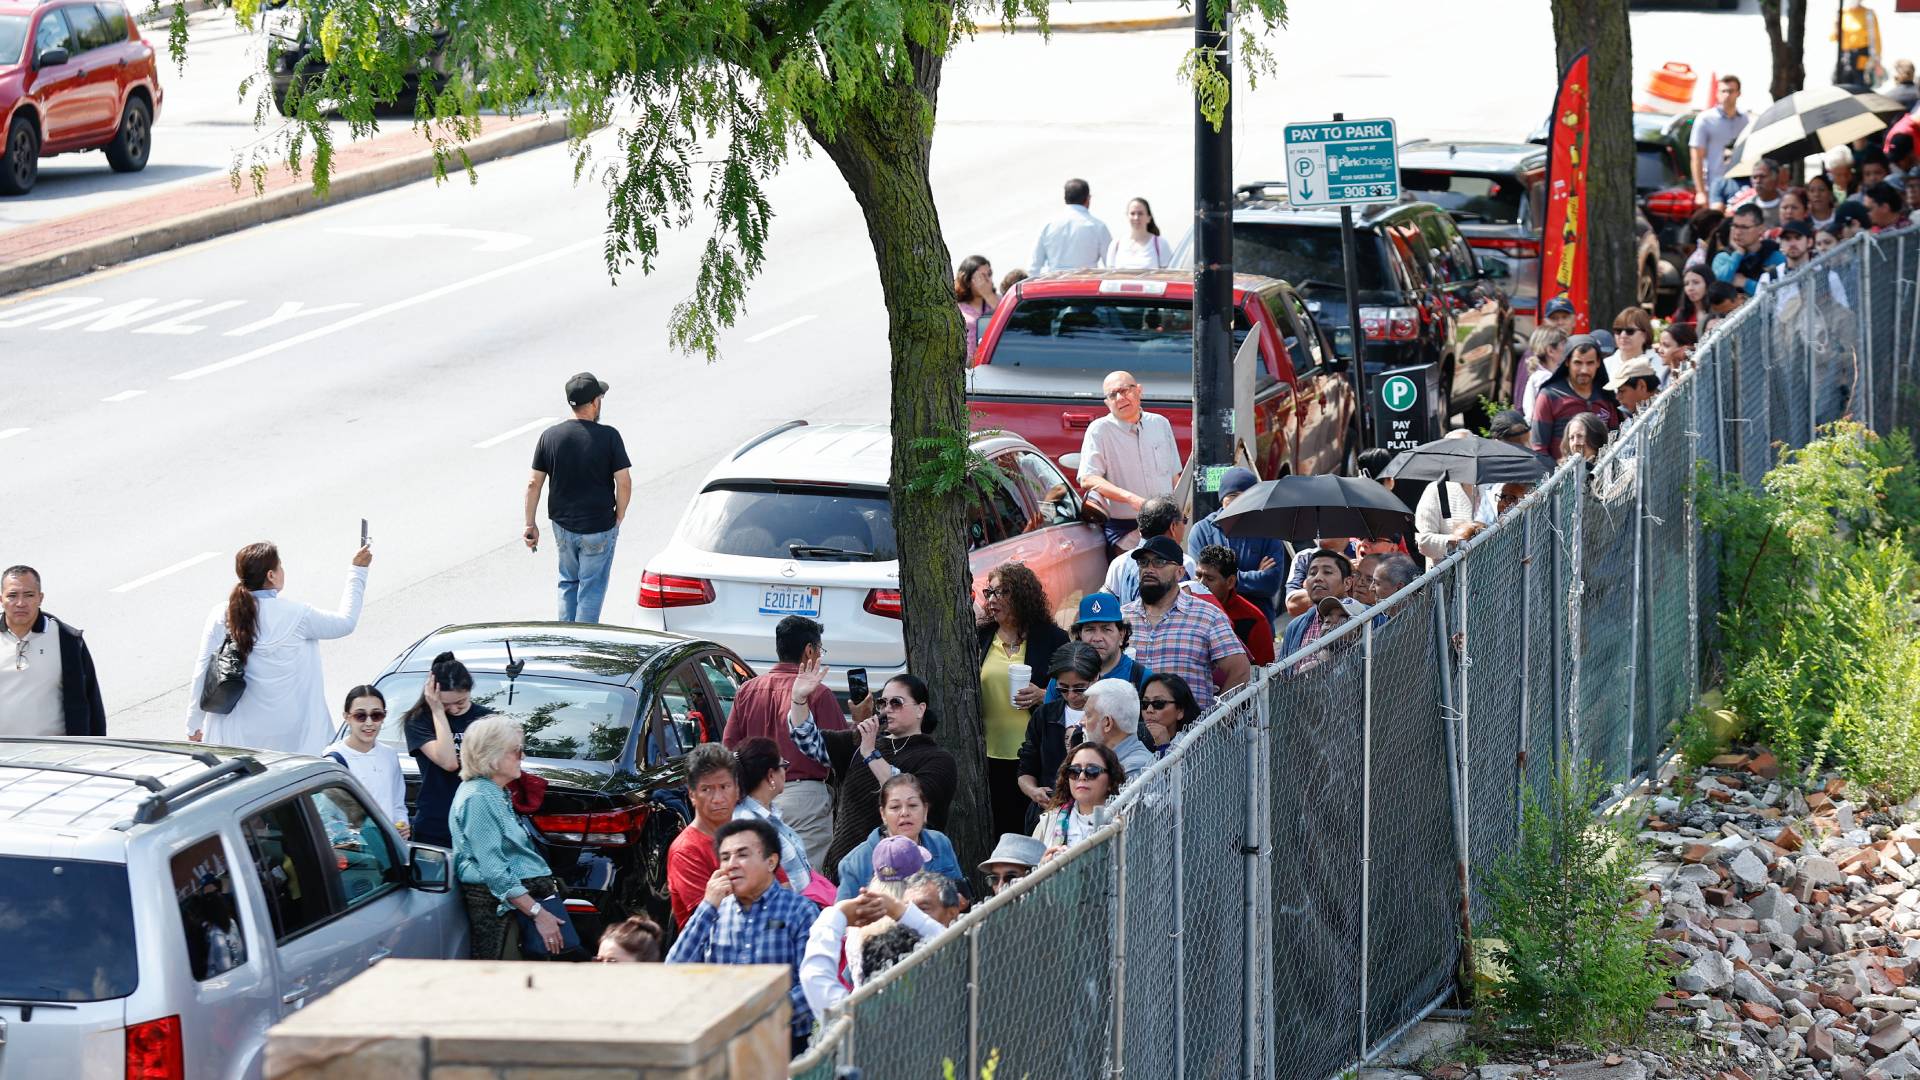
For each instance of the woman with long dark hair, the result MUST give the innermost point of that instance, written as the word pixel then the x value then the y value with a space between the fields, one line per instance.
pixel 1016 634
pixel 897 739
pixel 1167 706
pixel 1090 776
pixel 973 292
pixel 1143 248
pixel 1693 296
pixel 435 727
pixel 284 705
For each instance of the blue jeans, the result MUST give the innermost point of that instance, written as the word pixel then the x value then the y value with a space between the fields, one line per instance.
pixel 586 561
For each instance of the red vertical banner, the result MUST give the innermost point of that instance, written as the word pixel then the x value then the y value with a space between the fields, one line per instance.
pixel 1563 254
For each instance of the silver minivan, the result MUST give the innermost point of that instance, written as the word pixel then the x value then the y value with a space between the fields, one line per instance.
pixel 163 904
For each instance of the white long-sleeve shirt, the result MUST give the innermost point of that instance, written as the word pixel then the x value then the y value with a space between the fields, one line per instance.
pixel 1433 526
pixel 1076 240
pixel 284 707
pixel 820 965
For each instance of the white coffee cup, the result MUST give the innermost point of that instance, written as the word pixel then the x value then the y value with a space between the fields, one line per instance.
pixel 1019 677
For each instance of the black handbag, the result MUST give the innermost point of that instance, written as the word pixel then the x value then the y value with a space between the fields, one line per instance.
pixel 531 945
pixel 225 681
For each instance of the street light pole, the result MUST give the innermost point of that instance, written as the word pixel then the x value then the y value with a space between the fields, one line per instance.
pixel 1213 417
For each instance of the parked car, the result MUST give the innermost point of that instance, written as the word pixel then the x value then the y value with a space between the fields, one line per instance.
pixel 73 77
pixel 798 521
pixel 609 714
pixel 1663 197
pixel 1425 298
pixel 1055 337
pixel 167 903
pixel 295 56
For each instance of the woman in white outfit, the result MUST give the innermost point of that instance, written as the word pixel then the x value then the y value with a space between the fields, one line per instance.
pixel 1143 248
pixel 284 705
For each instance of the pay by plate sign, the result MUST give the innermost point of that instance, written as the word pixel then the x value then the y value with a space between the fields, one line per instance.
pixel 1342 162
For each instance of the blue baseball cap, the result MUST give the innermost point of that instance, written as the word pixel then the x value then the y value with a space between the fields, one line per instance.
pixel 1560 305
pixel 1099 607
pixel 1236 480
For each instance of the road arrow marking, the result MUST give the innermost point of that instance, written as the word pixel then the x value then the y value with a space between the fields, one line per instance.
pixel 489 240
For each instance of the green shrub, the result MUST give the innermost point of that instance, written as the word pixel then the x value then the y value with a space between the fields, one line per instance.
pixel 1574 945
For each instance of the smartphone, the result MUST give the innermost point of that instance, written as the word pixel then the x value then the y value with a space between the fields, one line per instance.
pixel 857 684
pixel 363 532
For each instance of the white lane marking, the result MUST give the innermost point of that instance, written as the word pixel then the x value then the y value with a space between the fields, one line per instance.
pixel 489 240
pixel 27 314
pixel 8 433
pixel 291 309
pixel 183 324
pixel 164 571
pixel 781 329
pixel 514 434
pixel 124 395
pixel 121 316
pixel 388 309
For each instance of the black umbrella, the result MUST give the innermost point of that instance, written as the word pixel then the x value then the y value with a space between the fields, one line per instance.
pixel 1807 122
pixel 1468 461
pixel 1306 507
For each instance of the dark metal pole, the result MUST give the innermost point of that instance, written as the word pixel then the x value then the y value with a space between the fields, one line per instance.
pixel 1213 417
pixel 1359 369
pixel 1840 47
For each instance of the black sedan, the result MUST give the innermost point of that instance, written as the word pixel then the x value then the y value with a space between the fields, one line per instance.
pixel 609 714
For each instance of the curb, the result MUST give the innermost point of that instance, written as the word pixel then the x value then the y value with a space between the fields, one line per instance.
pixel 1097 26
pixel 149 19
pixel 248 210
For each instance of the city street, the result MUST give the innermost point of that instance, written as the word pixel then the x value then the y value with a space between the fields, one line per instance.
pixel 393 358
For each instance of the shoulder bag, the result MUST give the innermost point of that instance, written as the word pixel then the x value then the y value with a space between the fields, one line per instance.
pixel 532 946
pixel 226 679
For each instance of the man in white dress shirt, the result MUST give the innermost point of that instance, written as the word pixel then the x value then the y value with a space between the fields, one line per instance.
pixel 1128 455
pixel 1075 240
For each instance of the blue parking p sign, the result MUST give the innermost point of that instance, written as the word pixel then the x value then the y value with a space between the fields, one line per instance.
pixel 1342 163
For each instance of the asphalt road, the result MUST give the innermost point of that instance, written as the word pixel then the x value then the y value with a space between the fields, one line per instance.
pixel 393 358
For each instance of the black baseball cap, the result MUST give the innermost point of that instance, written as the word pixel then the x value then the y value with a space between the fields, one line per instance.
pixel 1798 228
pixel 583 388
pixel 1162 546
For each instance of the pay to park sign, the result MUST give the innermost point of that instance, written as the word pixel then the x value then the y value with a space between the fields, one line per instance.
pixel 1342 163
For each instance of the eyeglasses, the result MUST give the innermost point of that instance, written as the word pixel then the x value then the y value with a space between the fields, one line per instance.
pixel 893 703
pixel 992 591
pixel 1123 391
pixel 1073 688
pixel 1156 703
pixel 20 655
pixel 1153 562
pixel 1626 329
pixel 1086 772
pixel 362 715
pixel 1006 877
pixel 785 764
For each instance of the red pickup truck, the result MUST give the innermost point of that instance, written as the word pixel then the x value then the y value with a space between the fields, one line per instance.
pixel 1055 337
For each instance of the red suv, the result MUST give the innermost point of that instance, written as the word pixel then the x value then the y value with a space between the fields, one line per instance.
pixel 73 76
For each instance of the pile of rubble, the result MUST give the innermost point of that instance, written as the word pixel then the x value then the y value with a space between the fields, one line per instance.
pixel 1795 922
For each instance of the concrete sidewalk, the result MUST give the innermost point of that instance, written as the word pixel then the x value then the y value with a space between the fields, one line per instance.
pixel 45 252
pixel 1102 16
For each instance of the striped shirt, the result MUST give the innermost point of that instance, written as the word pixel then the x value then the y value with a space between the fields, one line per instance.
pixel 771 931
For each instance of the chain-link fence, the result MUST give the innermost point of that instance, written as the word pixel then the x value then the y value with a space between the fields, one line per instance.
pixel 1289 888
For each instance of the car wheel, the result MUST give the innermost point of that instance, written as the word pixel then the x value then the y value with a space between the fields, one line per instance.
pixel 134 141
pixel 20 159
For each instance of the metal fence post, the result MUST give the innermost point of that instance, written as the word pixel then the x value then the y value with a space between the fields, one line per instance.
pixel 1575 585
pixel 1563 539
pixel 973 1003
pixel 1693 548
pixel 1366 827
pixel 1869 246
pixel 1119 869
pixel 1461 699
pixel 1635 639
pixel 1463 869
pixel 1253 1020
pixel 1526 664
pixel 1179 919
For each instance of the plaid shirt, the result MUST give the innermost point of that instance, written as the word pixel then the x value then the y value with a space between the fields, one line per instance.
pixel 772 931
pixel 1192 637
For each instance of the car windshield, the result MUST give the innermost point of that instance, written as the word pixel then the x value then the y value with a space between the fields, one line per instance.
pixel 1307 256
pixel 1472 197
pixel 1144 335
pixel 66 929
pixel 793 521
pixel 564 719
pixel 13 35
pixel 1653 169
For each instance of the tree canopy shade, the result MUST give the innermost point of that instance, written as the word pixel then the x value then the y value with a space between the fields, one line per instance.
pixel 710 98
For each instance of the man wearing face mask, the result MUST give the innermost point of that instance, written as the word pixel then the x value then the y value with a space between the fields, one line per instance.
pixel 1179 633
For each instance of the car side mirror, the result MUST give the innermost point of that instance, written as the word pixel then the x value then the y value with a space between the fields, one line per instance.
pixel 53 57
pixel 1493 270
pixel 428 869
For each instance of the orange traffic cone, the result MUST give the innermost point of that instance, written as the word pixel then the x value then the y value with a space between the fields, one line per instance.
pixel 1713 91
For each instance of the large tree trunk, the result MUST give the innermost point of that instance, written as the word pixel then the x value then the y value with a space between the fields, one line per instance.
pixel 1789 45
pixel 1600 27
pixel 883 153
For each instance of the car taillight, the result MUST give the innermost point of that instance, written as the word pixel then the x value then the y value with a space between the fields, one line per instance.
pixel 1390 323
pixel 668 590
pixel 154 1050
pixel 1512 247
pixel 1673 204
pixel 883 602
pixel 613 828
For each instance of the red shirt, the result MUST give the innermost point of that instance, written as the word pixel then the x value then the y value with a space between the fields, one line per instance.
pixel 1250 625
pixel 690 865
pixel 760 709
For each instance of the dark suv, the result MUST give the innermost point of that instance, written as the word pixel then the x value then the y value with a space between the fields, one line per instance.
pixel 609 713
pixel 1424 297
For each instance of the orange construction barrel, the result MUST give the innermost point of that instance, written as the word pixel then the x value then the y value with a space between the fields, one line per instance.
pixel 1672 82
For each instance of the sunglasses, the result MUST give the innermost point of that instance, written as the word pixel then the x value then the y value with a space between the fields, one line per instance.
pixel 1074 688
pixel 1006 877
pixel 893 703
pixel 376 715
pixel 1626 329
pixel 20 655
pixel 785 764
pixel 1156 703
pixel 1086 772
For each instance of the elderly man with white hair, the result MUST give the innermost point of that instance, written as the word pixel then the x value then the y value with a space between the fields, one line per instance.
pixel 1112 716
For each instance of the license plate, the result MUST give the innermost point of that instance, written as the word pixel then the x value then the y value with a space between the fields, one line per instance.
pixel 791 600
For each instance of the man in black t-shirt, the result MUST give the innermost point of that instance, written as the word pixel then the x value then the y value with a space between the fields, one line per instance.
pixel 587 463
